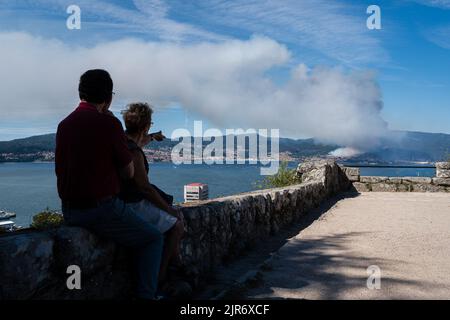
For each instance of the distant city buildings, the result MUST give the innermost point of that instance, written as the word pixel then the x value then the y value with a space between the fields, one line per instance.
pixel 27 157
pixel 195 192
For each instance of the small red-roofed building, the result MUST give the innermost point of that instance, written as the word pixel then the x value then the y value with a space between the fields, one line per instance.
pixel 195 191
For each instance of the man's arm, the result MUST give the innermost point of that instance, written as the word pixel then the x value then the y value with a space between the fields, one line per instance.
pixel 122 155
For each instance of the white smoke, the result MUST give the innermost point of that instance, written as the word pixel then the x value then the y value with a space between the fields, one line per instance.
pixel 346 152
pixel 228 83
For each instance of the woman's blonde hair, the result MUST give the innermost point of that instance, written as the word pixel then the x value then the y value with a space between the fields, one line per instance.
pixel 137 116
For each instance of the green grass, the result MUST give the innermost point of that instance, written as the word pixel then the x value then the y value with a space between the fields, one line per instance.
pixel 47 219
pixel 284 177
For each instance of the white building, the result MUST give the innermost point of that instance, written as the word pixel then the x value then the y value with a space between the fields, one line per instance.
pixel 195 192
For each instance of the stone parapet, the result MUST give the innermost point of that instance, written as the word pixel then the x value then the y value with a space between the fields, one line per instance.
pixel 33 264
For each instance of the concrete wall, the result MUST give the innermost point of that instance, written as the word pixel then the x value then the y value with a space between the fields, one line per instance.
pixel 33 263
pixel 440 183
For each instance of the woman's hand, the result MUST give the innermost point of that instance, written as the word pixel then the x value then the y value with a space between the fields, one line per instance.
pixel 158 136
pixel 145 140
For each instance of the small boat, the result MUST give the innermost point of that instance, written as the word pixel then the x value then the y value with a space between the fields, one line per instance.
pixel 6 215
pixel 7 225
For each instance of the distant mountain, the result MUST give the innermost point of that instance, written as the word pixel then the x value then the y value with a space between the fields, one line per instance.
pixel 29 145
pixel 46 143
pixel 401 146
pixel 298 148
pixel 411 146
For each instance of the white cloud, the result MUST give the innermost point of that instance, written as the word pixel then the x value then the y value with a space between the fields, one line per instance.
pixel 326 29
pixel 148 17
pixel 335 29
pixel 226 82
pixel 440 36
pixel 443 4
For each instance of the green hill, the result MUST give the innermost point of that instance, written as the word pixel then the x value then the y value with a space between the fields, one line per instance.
pixel 402 146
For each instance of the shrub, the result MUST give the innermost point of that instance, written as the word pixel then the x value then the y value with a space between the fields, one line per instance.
pixel 284 177
pixel 47 219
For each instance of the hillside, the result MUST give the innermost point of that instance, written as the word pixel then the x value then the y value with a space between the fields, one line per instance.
pixel 401 147
pixel 29 145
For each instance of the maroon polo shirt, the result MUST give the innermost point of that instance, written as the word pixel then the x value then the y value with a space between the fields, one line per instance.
pixel 91 148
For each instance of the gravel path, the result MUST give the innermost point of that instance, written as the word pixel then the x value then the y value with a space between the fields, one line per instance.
pixel 406 235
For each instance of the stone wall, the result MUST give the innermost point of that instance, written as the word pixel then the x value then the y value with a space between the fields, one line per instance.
pixel 443 169
pixel 440 183
pixel 33 263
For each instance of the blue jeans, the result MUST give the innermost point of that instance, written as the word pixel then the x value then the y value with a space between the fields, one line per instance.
pixel 115 221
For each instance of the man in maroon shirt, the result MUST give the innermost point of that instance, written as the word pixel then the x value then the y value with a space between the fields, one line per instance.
pixel 91 155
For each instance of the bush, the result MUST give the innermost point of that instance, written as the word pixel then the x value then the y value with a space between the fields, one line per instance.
pixel 47 219
pixel 284 177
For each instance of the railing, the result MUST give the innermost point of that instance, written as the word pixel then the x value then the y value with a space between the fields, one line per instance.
pixel 391 170
pixel 387 166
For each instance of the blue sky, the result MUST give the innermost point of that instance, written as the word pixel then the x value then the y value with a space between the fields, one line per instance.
pixel 409 59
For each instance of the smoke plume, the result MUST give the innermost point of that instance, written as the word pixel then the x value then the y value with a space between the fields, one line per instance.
pixel 230 83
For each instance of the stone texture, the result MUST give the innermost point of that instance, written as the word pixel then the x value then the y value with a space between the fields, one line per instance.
pixel 361 187
pixel 422 180
pixel 353 174
pixel 80 247
pixel 395 180
pixel 404 184
pixel 404 187
pixel 369 179
pixel 420 187
pixel 443 165
pixel 25 264
pixel 384 187
pixel 441 173
pixel 443 170
pixel 441 182
pixel 313 170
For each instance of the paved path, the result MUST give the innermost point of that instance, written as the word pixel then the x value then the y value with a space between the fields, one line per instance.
pixel 407 235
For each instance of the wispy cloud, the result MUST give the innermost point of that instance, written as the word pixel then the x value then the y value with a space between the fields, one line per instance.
pixel 440 36
pixel 443 4
pixel 145 17
pixel 333 30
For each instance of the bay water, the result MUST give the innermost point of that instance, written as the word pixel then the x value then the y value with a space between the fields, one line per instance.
pixel 28 188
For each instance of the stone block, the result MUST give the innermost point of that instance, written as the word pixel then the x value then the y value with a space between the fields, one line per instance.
pixel 414 180
pixel 395 180
pixel 77 246
pixel 384 187
pixel 403 187
pixel 353 174
pixel 25 264
pixel 443 165
pixel 361 187
pixel 352 171
pixel 441 182
pixel 441 173
pixel 419 187
pixel 370 179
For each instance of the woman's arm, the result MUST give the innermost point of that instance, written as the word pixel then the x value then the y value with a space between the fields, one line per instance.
pixel 143 183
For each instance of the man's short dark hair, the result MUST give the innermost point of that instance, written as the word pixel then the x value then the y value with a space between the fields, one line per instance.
pixel 95 86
